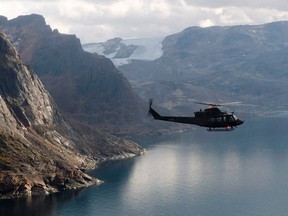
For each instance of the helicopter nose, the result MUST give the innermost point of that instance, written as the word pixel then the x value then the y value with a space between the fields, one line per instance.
pixel 239 122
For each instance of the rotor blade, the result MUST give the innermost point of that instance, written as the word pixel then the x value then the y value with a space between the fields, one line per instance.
pixel 208 104
pixel 242 104
pixel 235 103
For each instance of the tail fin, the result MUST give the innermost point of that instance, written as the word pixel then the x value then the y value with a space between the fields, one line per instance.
pixel 152 111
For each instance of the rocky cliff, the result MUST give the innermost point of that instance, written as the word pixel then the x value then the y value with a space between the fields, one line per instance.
pixel 40 152
pixel 87 87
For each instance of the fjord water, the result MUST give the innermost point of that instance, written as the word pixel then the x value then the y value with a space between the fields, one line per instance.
pixel 243 172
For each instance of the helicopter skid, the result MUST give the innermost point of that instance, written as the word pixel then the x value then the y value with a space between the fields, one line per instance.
pixel 220 129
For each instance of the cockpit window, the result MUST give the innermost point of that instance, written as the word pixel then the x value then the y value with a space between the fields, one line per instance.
pixel 231 118
pixel 235 117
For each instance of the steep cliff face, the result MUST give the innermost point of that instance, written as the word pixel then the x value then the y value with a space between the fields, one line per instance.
pixel 85 86
pixel 40 152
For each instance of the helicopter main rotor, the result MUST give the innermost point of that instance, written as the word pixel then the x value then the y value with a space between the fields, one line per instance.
pixel 222 104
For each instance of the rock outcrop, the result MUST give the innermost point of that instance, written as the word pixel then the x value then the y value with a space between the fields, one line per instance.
pixel 40 152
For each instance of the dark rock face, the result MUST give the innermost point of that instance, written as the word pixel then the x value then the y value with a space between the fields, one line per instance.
pixel 85 86
pixel 40 152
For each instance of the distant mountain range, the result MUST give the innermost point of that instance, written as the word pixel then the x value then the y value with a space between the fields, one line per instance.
pixel 245 63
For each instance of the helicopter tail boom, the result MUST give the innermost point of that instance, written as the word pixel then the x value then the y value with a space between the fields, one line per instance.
pixel 157 116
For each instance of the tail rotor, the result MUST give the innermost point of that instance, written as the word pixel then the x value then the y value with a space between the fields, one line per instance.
pixel 150 105
pixel 150 102
pixel 152 111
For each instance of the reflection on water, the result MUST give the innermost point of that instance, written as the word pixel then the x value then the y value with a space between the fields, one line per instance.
pixel 36 206
pixel 243 172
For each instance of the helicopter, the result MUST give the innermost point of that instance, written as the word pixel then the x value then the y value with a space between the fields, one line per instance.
pixel 212 118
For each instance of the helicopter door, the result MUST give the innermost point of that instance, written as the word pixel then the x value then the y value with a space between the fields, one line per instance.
pixel 216 121
pixel 211 121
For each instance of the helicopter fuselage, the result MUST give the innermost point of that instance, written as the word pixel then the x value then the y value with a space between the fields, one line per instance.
pixel 211 118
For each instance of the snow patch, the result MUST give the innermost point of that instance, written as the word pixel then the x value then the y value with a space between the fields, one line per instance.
pixel 147 49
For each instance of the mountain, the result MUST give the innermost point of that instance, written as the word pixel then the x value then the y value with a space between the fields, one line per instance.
pixel 86 87
pixel 40 151
pixel 245 63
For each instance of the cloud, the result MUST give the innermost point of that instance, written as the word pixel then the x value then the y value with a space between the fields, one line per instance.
pixel 253 4
pixel 98 20
pixel 206 23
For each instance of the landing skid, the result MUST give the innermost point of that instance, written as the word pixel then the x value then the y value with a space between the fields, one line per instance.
pixel 220 129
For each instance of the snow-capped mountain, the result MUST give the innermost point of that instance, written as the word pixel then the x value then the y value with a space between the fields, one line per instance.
pixel 123 51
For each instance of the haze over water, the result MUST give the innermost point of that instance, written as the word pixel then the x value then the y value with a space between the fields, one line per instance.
pixel 244 172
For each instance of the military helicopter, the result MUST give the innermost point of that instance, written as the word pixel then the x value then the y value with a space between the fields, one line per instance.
pixel 212 118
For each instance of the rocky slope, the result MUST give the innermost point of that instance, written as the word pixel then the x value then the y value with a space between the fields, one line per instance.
pixel 87 87
pixel 40 152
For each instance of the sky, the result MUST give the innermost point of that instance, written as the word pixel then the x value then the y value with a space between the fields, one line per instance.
pixel 100 20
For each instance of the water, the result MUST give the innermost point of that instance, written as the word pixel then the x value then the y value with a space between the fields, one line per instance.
pixel 244 172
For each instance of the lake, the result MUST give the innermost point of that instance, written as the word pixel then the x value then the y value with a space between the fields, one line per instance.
pixel 241 173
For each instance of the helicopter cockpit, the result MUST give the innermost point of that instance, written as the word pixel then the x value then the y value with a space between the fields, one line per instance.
pixel 227 118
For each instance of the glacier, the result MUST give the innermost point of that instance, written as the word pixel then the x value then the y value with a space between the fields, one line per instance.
pixel 124 51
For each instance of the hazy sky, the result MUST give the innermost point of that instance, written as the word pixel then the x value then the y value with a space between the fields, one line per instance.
pixel 99 20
